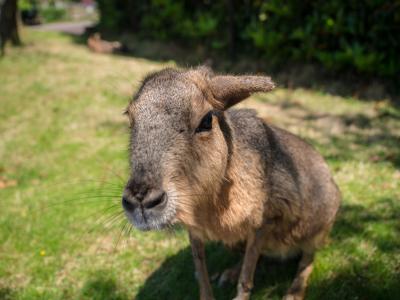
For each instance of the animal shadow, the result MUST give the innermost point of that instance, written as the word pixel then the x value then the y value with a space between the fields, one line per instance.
pixel 102 287
pixel 175 279
pixel 7 293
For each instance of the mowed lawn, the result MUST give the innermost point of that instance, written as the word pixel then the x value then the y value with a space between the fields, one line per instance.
pixel 63 162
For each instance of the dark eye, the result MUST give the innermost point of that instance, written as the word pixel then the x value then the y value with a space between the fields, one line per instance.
pixel 206 123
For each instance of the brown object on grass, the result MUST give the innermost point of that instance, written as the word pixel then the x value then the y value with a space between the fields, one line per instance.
pixel 96 44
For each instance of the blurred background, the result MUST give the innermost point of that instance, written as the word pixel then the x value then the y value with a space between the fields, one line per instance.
pixel 67 72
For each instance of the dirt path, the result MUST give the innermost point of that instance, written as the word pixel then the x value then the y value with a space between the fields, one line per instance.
pixel 74 28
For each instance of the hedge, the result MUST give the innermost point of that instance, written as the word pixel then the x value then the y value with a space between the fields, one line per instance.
pixel 360 35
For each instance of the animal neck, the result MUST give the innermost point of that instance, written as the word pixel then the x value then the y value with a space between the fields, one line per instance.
pixel 238 207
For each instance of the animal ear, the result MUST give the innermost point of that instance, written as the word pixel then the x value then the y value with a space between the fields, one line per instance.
pixel 230 90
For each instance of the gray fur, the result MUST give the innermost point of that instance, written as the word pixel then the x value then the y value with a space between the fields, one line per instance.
pixel 243 180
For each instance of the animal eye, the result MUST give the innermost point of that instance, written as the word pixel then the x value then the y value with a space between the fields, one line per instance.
pixel 206 123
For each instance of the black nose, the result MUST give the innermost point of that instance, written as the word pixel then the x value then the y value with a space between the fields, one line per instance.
pixel 129 204
pixel 152 199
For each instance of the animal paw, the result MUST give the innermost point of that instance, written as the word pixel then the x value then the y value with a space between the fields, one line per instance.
pixel 292 297
pixel 230 275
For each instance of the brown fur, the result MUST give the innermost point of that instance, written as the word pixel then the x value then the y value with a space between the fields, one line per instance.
pixel 243 180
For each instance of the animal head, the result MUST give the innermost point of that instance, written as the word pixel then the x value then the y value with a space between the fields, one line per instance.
pixel 180 142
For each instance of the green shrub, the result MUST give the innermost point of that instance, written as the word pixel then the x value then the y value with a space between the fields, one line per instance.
pixel 51 14
pixel 360 35
pixel 25 4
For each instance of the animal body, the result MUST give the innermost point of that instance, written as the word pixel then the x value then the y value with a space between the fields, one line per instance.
pixel 225 174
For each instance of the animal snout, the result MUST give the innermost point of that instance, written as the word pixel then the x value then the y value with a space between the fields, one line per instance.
pixel 154 198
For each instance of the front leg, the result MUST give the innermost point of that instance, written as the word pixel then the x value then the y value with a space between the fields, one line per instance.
pixel 298 288
pixel 251 256
pixel 199 259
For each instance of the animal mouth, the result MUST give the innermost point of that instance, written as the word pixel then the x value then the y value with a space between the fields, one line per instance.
pixel 154 216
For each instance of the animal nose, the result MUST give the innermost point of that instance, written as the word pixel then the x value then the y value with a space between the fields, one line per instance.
pixel 151 200
pixel 129 203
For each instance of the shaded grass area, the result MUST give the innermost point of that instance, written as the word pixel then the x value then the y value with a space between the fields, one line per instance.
pixel 63 164
pixel 293 75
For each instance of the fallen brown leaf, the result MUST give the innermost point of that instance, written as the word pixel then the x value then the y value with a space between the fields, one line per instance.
pixel 5 183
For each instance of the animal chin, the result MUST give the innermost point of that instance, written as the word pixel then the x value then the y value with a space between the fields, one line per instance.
pixel 147 226
pixel 149 220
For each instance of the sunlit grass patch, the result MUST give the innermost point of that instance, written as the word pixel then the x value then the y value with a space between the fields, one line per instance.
pixel 63 142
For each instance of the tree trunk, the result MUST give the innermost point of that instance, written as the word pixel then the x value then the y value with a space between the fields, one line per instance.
pixel 8 23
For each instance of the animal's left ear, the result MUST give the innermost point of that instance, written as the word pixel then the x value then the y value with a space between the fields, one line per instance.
pixel 230 90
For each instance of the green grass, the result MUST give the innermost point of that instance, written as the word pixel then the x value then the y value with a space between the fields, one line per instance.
pixel 63 163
